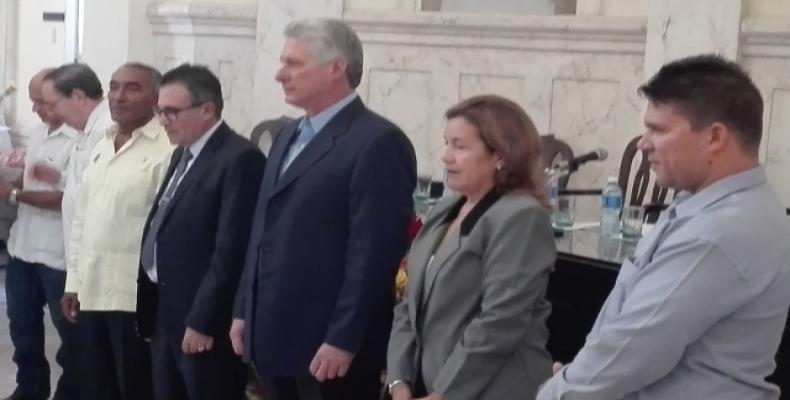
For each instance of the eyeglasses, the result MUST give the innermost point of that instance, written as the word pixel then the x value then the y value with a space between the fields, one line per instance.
pixel 171 113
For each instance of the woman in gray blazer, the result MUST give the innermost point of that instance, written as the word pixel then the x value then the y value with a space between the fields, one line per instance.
pixel 472 325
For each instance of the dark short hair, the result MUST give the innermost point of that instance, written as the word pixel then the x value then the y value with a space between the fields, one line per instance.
pixel 76 76
pixel 708 88
pixel 506 129
pixel 202 85
pixel 155 75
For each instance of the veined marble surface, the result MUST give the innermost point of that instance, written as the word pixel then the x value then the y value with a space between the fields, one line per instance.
pixel 220 36
pixel 576 76
pixel 678 28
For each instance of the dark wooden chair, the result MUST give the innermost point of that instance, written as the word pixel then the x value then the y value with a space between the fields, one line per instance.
pixel 635 190
pixel 264 133
pixel 555 151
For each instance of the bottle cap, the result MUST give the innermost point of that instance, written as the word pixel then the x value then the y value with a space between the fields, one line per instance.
pixel 612 179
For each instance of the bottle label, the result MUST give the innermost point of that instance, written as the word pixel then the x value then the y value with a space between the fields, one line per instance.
pixel 612 202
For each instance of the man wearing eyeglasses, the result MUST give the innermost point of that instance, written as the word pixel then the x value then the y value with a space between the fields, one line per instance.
pixel 194 242
pixel 119 186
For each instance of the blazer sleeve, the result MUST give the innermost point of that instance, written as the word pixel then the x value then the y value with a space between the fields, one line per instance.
pixel 518 257
pixel 380 210
pixel 216 293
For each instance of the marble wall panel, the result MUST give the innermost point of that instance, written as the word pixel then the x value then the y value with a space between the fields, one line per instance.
pixel 587 99
pixel 575 76
pixel 272 18
pixel 405 98
pixel 777 141
pixel 234 65
pixel 679 28
pixel 511 87
pixel 590 114
pixel 770 74
pixel 222 37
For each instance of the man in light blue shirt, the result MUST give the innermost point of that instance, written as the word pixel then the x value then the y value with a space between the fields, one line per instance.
pixel 698 311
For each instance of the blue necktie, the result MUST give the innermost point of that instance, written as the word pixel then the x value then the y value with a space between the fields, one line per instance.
pixel 303 137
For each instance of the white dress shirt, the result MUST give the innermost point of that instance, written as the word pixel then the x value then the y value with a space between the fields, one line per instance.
pixel 37 234
pixel 99 122
pixel 699 311
pixel 195 149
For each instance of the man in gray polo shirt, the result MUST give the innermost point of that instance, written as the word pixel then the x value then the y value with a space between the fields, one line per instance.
pixel 698 311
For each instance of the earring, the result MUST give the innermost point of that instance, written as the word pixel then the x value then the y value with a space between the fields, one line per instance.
pixel 499 167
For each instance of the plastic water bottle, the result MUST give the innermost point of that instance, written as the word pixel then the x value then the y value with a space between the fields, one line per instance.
pixel 611 205
pixel 553 189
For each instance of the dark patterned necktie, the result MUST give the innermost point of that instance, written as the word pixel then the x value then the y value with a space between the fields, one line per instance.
pixel 148 254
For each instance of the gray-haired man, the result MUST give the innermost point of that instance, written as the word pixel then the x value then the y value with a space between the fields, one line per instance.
pixel 330 229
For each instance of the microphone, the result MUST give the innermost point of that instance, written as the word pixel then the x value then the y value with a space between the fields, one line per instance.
pixel 567 167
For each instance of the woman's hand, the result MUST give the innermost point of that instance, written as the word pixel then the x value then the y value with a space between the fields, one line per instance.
pixel 556 367
pixel 401 391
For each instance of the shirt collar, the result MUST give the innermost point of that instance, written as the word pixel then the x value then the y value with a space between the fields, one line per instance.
pixel 98 111
pixel 688 204
pixel 320 120
pixel 63 129
pixel 151 129
pixel 197 147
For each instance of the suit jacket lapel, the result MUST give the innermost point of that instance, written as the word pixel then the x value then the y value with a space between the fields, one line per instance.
pixel 276 156
pixel 424 247
pixel 443 253
pixel 197 170
pixel 457 239
pixel 270 174
pixel 321 144
pixel 418 260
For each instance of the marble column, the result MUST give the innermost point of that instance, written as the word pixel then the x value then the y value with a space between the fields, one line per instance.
pixel 679 28
pixel 218 35
pixel 7 50
pixel 273 16
pixel 382 5
pixel 510 7
pixel 589 7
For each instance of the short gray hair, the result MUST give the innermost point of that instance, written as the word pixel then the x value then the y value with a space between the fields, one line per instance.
pixel 330 39
pixel 155 75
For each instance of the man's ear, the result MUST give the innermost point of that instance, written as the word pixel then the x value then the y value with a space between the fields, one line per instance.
pixel 210 108
pixel 719 137
pixel 339 68
pixel 78 94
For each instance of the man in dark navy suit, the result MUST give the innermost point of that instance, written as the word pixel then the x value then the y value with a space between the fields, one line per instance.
pixel 314 308
pixel 194 241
